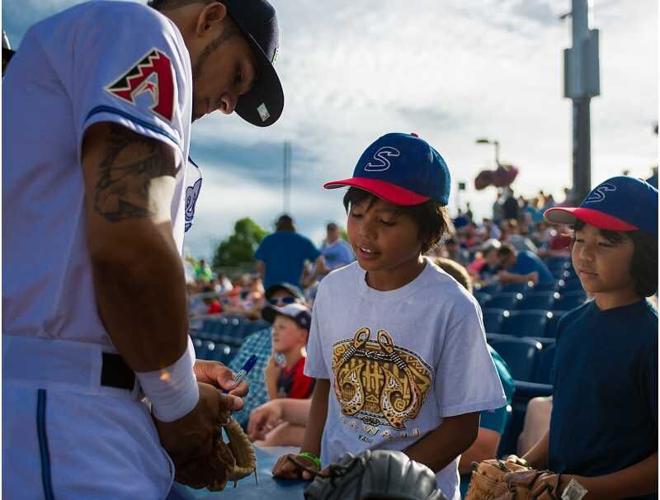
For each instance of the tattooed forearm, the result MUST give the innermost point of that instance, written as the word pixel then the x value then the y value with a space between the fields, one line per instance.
pixel 129 164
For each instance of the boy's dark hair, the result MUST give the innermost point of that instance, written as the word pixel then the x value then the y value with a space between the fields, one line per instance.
pixel 644 262
pixel 432 219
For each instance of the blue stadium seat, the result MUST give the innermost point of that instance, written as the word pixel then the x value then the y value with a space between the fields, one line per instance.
pixel 538 300
pixel 531 323
pixel 482 297
pixel 504 300
pixel 492 289
pixel 545 287
pixel 544 364
pixel 520 354
pixel 570 300
pixel 551 327
pixel 518 287
pixel 493 319
pixel 569 284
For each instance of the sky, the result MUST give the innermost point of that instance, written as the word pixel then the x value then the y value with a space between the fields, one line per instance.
pixel 450 70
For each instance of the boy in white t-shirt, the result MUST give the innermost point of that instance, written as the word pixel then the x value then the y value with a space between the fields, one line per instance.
pixel 397 346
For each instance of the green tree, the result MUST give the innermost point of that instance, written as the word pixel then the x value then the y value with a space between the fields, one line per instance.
pixel 239 248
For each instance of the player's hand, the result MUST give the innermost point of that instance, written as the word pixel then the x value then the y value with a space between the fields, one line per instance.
pixel 264 418
pixel 220 376
pixel 193 436
pixel 286 467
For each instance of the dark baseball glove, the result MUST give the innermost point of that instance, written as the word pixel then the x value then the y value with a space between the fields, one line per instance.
pixel 375 474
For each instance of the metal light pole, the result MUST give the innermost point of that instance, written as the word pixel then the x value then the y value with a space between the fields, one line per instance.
pixel 497 148
pixel 581 83
pixel 286 179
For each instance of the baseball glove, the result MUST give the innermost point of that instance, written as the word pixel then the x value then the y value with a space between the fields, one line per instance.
pixel 236 456
pixel 374 474
pixel 506 480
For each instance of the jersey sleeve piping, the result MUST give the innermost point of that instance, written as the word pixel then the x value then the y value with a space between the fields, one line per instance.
pixel 136 120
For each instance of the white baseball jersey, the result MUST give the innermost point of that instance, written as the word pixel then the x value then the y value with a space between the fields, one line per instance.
pixel 85 65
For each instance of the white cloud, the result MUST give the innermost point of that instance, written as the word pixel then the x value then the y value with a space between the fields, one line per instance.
pixel 452 71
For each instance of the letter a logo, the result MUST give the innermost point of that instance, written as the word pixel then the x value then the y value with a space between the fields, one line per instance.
pixel 152 74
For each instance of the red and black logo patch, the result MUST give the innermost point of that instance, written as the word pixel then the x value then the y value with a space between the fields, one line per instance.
pixel 152 74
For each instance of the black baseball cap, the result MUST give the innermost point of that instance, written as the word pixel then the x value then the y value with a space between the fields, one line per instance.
pixel 256 19
pixel 296 311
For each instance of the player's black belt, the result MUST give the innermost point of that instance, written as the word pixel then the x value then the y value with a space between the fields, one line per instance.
pixel 116 373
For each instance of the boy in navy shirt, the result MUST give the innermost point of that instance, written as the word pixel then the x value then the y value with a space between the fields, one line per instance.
pixel 604 428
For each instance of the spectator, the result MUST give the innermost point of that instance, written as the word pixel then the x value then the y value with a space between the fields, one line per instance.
pixel 516 238
pixel 487 273
pixel 521 267
pixel 203 272
pixel 212 303
pixel 222 284
pixel 335 250
pixel 260 344
pixel 454 251
pixel 537 423
pixel 249 300
pixel 510 208
pixel 285 378
pixel 281 256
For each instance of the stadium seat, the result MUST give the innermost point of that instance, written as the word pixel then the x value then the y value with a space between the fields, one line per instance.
pixel 538 300
pixel 570 300
pixel 544 364
pixel 493 319
pixel 504 300
pixel 482 297
pixel 545 287
pixel 569 284
pixel 551 327
pixel 517 287
pixel 492 289
pixel 520 354
pixel 531 323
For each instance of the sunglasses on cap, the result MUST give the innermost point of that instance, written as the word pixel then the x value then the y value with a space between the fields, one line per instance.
pixel 282 301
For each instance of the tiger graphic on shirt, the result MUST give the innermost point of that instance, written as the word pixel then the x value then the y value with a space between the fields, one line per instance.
pixel 377 382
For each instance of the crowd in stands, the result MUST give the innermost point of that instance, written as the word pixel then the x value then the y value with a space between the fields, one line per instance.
pixel 517 266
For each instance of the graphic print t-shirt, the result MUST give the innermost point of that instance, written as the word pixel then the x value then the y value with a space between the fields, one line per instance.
pixel 398 362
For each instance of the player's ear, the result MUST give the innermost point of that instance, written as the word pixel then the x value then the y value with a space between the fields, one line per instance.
pixel 210 18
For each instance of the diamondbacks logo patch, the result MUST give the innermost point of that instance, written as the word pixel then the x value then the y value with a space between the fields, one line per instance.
pixel 151 75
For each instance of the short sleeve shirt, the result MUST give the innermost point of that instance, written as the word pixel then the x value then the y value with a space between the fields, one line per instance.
pixel 119 62
pixel 398 362
pixel 605 408
pixel 528 262
pixel 285 253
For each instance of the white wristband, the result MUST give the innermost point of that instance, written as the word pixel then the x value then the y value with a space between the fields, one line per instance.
pixel 173 391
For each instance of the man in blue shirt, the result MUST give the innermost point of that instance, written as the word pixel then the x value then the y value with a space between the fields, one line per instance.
pixel 281 256
pixel 336 251
pixel 521 267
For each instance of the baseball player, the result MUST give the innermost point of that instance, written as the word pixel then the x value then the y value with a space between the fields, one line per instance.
pixel 98 104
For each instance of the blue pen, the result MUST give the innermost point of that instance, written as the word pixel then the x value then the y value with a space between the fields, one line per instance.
pixel 242 373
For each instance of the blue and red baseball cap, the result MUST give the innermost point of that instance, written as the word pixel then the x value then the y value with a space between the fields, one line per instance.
pixel 402 169
pixel 619 204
